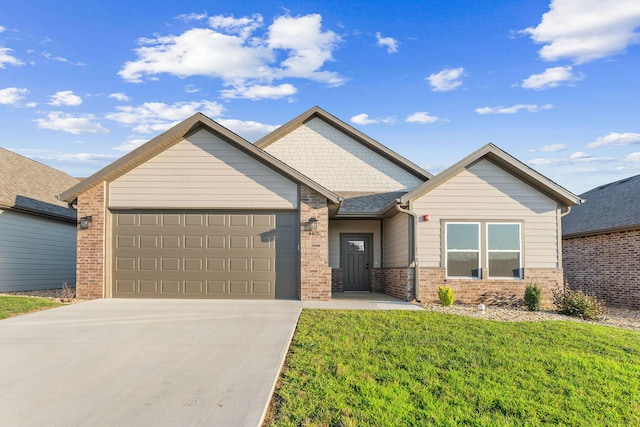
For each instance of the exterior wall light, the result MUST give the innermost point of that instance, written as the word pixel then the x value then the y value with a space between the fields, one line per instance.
pixel 313 224
pixel 85 222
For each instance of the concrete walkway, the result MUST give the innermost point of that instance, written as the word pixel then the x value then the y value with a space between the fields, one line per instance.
pixel 124 362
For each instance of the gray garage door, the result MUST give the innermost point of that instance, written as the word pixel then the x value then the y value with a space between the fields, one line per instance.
pixel 190 254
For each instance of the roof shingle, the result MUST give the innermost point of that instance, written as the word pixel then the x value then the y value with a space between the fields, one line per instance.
pixel 30 186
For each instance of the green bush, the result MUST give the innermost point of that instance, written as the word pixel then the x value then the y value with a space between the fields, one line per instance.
pixel 577 303
pixel 532 296
pixel 446 295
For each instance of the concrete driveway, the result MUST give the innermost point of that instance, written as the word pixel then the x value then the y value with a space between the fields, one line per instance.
pixel 117 362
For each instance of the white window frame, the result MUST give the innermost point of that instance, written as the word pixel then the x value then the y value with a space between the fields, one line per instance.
pixel 447 250
pixel 519 251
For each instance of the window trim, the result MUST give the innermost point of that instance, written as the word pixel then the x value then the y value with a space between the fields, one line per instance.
pixel 483 256
pixel 447 250
pixel 519 251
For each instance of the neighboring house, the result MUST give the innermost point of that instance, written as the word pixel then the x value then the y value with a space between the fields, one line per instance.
pixel 314 207
pixel 601 243
pixel 37 231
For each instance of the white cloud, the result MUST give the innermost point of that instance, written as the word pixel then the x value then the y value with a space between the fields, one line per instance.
pixel 65 97
pixel 119 96
pixel 233 51
pixel 64 157
pixel 260 92
pixel 6 58
pixel 363 119
pixel 550 78
pixel 532 108
pixel 2 29
pixel 191 89
pixel 83 123
pixel 553 148
pixel 130 144
pixel 186 17
pixel 632 157
pixel 615 138
pixel 153 117
pixel 585 30
pixel 446 80
pixel 12 95
pixel 49 56
pixel 421 117
pixel 248 129
pixel 389 42
pixel 578 157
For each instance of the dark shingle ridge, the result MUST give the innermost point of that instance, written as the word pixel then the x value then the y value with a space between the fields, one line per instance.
pixel 606 207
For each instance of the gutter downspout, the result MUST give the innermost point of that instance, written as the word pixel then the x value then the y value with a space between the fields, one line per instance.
pixel 414 239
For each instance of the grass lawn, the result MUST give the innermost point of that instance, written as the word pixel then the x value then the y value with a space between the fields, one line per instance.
pixel 14 305
pixel 396 368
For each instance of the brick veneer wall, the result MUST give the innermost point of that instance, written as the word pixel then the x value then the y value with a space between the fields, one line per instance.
pixel 315 273
pixel 90 270
pixel 337 285
pixel 605 265
pixel 399 283
pixel 491 291
pixel 377 280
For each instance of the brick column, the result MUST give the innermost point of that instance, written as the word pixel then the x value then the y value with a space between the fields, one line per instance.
pixel 90 270
pixel 315 273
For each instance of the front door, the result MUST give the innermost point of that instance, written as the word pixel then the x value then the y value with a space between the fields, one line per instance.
pixel 355 252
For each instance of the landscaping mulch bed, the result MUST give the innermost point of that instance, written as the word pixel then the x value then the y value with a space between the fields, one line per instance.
pixel 65 296
pixel 618 317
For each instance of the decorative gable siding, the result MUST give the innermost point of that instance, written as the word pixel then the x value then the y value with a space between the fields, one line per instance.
pixel 338 162
pixel 35 252
pixel 203 171
pixel 485 191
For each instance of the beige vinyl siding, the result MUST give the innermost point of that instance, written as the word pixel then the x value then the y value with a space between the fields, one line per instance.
pixel 35 252
pixel 338 162
pixel 396 241
pixel 337 227
pixel 203 171
pixel 486 192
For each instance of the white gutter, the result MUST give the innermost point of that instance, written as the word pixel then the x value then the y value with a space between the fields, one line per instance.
pixel 414 239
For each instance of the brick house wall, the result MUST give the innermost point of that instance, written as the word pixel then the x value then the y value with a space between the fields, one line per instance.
pixel 491 291
pixel 90 270
pixel 315 273
pixel 605 265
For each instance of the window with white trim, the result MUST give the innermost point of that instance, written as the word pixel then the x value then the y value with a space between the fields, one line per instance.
pixel 463 249
pixel 503 250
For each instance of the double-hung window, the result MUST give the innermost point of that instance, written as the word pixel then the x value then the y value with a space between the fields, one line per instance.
pixel 463 249
pixel 492 247
pixel 503 250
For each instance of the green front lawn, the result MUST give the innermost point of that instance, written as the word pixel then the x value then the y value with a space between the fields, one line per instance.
pixel 395 368
pixel 14 305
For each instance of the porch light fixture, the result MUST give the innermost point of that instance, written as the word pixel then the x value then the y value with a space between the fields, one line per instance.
pixel 85 222
pixel 313 224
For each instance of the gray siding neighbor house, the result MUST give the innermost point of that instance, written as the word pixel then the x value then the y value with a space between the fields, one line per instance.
pixel 314 207
pixel 601 243
pixel 37 231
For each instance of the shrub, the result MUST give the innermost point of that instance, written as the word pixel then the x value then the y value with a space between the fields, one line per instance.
pixel 532 296
pixel 446 295
pixel 577 303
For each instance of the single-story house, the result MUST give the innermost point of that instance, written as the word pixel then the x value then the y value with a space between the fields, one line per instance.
pixel 313 208
pixel 37 231
pixel 601 243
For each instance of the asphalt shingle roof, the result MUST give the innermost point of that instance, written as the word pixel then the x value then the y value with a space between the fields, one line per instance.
pixel 367 203
pixel 30 186
pixel 609 206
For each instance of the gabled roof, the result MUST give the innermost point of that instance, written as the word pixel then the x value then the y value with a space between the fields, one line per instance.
pixel 30 186
pixel 507 162
pixel 610 207
pixel 317 112
pixel 174 135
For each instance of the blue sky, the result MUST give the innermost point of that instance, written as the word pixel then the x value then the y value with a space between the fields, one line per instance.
pixel 556 84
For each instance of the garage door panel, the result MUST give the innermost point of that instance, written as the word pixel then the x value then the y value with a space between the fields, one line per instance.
pixel 205 255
